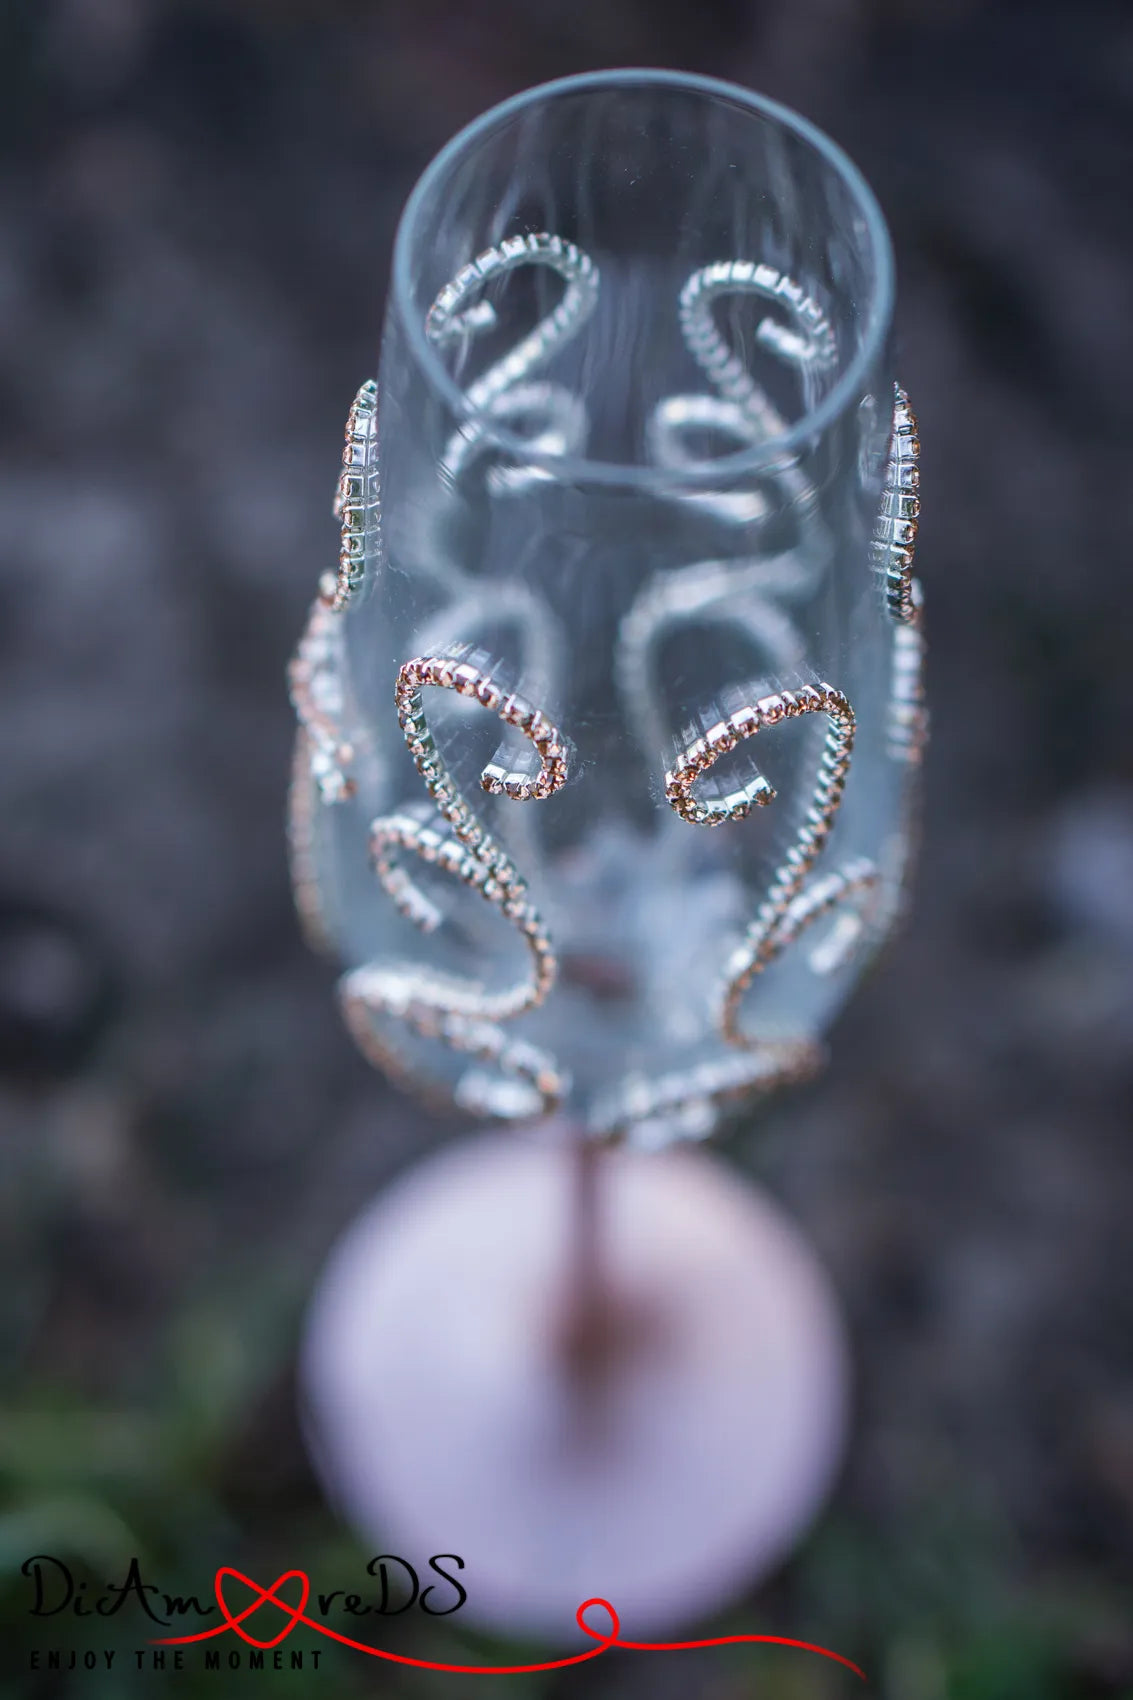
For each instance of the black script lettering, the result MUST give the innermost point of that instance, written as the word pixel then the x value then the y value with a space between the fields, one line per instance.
pixel 212 1659
pixel 175 1604
pixel 383 1610
pixel 353 1604
pixel 79 1608
pixel 462 1593
pixel 325 1599
pixel 132 1585
pixel 31 1567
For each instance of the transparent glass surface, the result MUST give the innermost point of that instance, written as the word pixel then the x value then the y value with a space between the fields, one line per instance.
pixel 610 718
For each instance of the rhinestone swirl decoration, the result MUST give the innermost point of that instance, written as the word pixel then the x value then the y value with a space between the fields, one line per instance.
pixel 462 1013
pixel 357 502
pixel 895 538
pixel 323 760
pixel 739 590
pixel 448 318
pixel 813 344
pixel 514 1077
pixel 743 410
pixel 686 1103
pixel 907 729
pixel 894 544
pixel 789 905
pixel 502 393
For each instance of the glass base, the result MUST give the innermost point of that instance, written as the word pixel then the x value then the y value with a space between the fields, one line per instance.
pixel 662 1451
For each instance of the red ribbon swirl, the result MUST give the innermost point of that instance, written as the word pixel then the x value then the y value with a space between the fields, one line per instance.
pixel 603 1640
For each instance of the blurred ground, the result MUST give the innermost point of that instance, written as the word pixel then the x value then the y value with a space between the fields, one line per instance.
pixel 197 205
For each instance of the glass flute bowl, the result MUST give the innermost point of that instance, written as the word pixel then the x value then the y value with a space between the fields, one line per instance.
pixel 610 719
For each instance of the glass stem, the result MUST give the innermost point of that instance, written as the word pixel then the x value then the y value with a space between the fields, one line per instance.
pixel 589 1333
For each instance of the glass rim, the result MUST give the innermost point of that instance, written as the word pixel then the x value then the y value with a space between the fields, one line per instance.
pixel 764 456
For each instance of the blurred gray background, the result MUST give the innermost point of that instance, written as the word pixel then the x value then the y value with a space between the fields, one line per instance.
pixel 197 204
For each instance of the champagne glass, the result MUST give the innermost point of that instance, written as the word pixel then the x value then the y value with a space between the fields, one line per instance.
pixel 610 724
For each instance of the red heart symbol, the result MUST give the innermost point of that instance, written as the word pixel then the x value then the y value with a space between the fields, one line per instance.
pixel 263 1596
